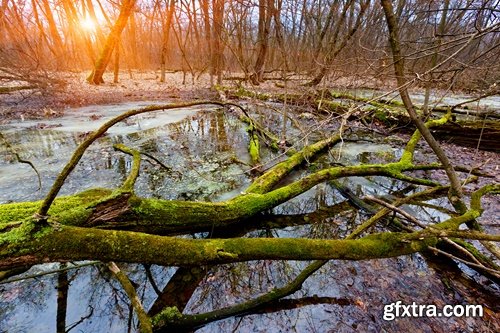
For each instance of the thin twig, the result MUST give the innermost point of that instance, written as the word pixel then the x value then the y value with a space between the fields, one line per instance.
pixel 395 209
pixel 468 263
pixel 34 276
pixel 20 160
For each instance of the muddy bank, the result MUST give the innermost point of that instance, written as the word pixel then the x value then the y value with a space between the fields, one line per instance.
pixel 76 92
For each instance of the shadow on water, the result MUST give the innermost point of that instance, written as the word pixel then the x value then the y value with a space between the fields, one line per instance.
pixel 199 150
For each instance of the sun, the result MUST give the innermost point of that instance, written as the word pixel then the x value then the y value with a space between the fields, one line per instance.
pixel 88 24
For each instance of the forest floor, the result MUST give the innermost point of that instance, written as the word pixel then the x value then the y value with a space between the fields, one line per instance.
pixel 132 86
pixel 76 92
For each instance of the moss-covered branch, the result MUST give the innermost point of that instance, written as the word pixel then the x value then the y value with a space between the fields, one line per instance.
pixel 144 319
pixel 463 234
pixel 126 211
pixel 171 318
pixel 75 243
pixel 128 185
pixel 271 139
pixel 253 145
pixel 268 180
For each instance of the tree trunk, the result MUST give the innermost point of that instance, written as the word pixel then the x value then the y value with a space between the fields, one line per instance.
pixel 434 58
pixel 265 16
pixel 208 35
pixel 116 65
pixel 111 42
pixel 399 68
pixel 56 38
pixel 217 42
pixel 336 44
pixel 165 40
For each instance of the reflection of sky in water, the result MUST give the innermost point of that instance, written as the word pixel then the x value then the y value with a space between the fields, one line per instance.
pixel 199 147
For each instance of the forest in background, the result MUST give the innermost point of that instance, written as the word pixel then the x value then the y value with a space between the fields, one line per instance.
pixel 257 38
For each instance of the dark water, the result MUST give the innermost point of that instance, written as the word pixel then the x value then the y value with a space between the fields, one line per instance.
pixel 199 148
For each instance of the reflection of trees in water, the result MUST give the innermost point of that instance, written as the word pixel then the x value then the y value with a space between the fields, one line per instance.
pixel 62 300
pixel 107 303
pixel 89 299
pixel 206 132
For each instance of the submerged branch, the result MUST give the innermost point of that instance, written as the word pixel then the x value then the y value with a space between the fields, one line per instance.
pixel 144 319
pixel 128 185
pixel 170 318
pixel 74 243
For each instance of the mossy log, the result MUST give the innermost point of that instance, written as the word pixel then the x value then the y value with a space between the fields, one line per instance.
pixel 8 90
pixel 484 134
pixel 123 210
pixel 66 243
pixel 69 235
pixel 253 145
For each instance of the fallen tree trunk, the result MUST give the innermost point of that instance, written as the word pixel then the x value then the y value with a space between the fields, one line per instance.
pixel 67 243
pixel 480 132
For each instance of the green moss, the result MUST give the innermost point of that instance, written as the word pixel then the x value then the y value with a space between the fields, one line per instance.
pixel 19 233
pixel 6 90
pixel 19 225
pixel 17 211
pixel 333 106
pixel 475 252
pixel 391 102
pixel 242 92
pixel 27 230
pixel 129 183
pixel 345 95
pixel 168 314
pixel 173 214
pixel 265 182
pixel 61 206
pixel 381 116
pixel 74 210
pixel 253 146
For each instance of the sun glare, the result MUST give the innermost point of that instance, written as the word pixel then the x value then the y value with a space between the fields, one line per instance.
pixel 88 24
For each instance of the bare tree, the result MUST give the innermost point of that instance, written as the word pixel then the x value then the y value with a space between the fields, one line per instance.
pixel 166 34
pixel 111 42
pixel 217 42
pixel 265 18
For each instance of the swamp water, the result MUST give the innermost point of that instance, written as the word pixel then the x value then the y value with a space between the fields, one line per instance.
pixel 200 147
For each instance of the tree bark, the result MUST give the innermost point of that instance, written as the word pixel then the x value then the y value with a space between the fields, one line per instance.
pixel 399 68
pixel 265 16
pixel 208 34
pixel 165 40
pixel 217 42
pixel 111 42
